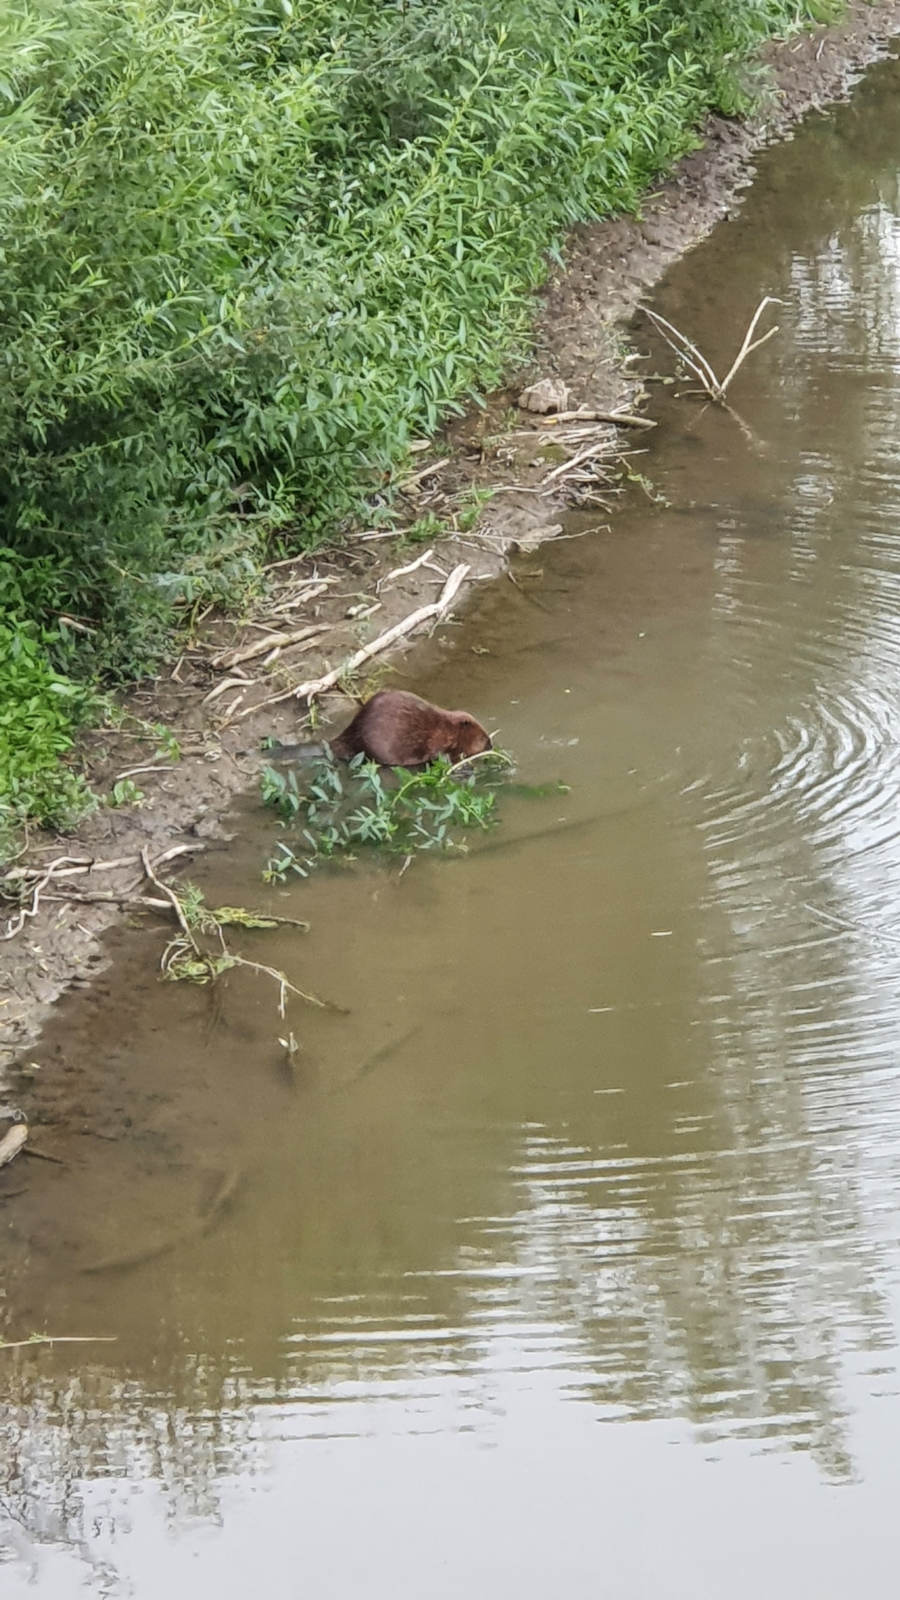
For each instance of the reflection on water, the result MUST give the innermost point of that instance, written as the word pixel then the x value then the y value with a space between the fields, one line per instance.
pixel 611 1132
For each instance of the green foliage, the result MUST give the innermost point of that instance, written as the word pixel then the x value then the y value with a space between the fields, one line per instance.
pixel 249 249
pixel 39 711
pixel 338 813
pixel 125 793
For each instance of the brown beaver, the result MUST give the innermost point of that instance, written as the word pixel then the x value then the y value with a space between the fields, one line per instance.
pixel 398 729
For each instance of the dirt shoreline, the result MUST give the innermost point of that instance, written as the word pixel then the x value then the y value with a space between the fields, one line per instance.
pixel 359 592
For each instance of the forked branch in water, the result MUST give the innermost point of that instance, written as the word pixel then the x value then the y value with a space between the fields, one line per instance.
pixel 696 361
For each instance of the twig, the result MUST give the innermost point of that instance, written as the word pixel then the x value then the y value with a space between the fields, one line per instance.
pixel 221 1199
pixel 17 923
pixel 132 772
pixel 88 864
pixel 273 972
pixel 625 419
pixel 229 683
pixel 173 899
pixel 482 755
pixel 108 897
pixel 681 345
pixel 747 347
pixel 697 362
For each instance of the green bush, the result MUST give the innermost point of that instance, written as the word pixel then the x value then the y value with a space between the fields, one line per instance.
pixel 39 711
pixel 248 249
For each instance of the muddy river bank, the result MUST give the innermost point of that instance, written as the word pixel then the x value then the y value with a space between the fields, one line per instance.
pixel 579 339
pixel 581 1214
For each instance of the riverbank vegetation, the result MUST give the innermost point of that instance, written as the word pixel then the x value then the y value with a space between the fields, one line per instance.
pixel 248 251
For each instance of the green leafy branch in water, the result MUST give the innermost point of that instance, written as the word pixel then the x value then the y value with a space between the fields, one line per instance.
pixel 338 813
pixel 187 959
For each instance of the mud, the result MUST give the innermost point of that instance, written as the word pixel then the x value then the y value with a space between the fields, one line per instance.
pixel 580 338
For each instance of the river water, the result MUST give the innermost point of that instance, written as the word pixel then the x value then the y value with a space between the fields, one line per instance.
pixel 568 1259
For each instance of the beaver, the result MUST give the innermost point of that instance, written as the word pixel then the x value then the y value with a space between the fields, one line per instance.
pixel 398 729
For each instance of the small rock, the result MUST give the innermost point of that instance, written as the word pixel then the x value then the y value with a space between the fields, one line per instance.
pixel 551 394
pixel 209 827
pixel 524 542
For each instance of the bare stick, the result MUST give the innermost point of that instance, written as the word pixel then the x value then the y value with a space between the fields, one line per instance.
pixel 698 363
pixel 43 1155
pixel 747 346
pixel 285 987
pixel 229 683
pixel 108 897
pixel 224 1194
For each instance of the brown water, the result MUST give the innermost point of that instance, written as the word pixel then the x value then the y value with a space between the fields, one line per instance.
pixel 569 1259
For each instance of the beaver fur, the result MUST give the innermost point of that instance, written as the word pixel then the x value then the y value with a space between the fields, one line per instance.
pixel 397 729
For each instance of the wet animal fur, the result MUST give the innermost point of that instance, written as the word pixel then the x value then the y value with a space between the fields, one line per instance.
pixel 398 729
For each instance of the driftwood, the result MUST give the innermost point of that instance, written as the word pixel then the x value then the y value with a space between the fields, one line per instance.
pixel 429 613
pixel 13 1142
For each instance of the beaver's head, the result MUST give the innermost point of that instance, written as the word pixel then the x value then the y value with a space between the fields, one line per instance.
pixel 470 739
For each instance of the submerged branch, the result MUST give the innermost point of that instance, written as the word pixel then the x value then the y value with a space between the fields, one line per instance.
pixel 696 361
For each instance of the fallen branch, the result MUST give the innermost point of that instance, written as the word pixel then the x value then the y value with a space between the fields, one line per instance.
pixel 429 613
pixel 173 899
pixel 13 1142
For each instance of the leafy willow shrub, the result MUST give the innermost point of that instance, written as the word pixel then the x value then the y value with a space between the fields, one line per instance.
pixel 247 249
pixel 39 711
pixel 337 812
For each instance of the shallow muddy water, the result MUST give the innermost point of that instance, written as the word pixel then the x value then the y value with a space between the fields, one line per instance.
pixel 567 1259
